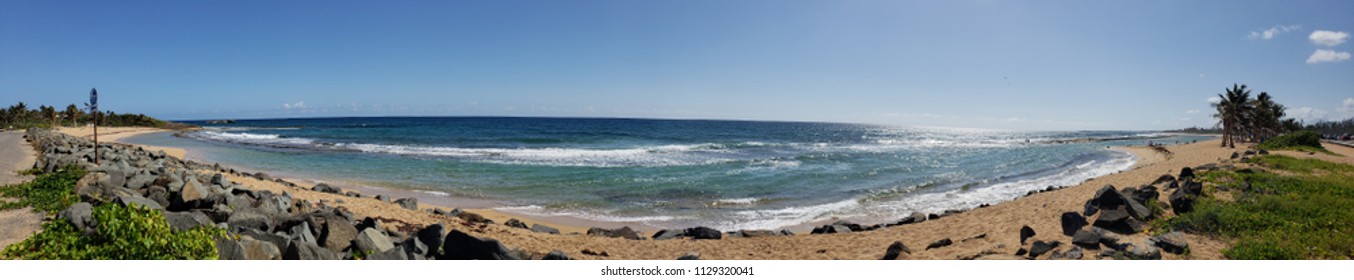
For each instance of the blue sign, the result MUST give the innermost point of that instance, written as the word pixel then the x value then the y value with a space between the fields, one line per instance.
pixel 93 100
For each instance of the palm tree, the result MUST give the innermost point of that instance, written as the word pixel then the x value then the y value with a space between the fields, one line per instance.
pixel 1232 107
pixel 18 113
pixel 1267 117
pixel 49 113
pixel 73 113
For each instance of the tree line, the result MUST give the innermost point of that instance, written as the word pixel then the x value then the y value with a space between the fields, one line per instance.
pixel 1250 120
pixel 20 116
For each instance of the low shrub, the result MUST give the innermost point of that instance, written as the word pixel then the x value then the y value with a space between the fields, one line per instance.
pixel 123 233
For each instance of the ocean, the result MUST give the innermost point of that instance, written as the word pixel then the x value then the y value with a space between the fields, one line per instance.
pixel 672 173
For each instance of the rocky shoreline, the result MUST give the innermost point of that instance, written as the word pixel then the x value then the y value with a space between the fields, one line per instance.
pixel 279 224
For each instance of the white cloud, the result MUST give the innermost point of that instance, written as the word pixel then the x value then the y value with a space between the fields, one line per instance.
pixel 1328 38
pixel 1214 99
pixel 297 105
pixel 1195 111
pixel 1327 56
pixel 1307 114
pixel 1272 31
pixel 1348 106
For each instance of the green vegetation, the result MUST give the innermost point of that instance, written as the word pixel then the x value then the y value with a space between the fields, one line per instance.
pixel 19 116
pixel 1271 216
pixel 48 192
pixel 123 233
pixel 1305 141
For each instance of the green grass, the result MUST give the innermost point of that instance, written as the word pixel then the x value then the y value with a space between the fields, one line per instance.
pixel 1307 215
pixel 47 193
pixel 123 233
pixel 1303 141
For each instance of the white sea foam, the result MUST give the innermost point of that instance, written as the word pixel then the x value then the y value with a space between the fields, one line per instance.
pixel 664 155
pixel 251 138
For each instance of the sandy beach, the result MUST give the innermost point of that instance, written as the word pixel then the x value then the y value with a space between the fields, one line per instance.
pixel 991 231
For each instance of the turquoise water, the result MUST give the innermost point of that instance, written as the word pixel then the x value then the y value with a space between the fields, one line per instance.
pixel 674 173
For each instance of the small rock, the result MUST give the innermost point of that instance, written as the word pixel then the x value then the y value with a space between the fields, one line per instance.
pixel 543 229
pixel 1041 247
pixel 408 203
pixel 668 234
pixel 1025 233
pixel 81 215
pixel 703 233
pixel 516 223
pixel 939 243
pixel 895 250
pixel 326 188
pixel 556 255
pixel 1173 242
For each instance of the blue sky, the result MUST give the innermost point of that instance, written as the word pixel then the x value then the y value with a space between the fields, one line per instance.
pixel 1026 65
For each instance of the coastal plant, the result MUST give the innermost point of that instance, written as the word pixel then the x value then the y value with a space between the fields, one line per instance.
pixel 123 233
pixel 1304 141
pixel 1245 119
pixel 47 192
pixel 1305 215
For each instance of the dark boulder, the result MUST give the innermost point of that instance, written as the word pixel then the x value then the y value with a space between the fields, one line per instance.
pixel 337 233
pixel 1145 194
pixel 895 250
pixel 1025 233
pixel 623 232
pixel 556 255
pixel 1041 247
pixel 250 218
pixel 830 229
pixel 1139 211
pixel 1090 208
pixel 539 228
pixel 1181 202
pixel 472 217
pixel 940 243
pixel 461 246
pixel 182 221
pixel 373 240
pixel 1186 173
pixel 1119 220
pixel 668 234
pixel 432 235
pixel 703 233
pixel 1108 198
pixel 1193 188
pixel 408 203
pixel 516 223
pixel 326 188
pixel 1086 238
pixel 307 251
pixel 1071 222
pixel 1173 242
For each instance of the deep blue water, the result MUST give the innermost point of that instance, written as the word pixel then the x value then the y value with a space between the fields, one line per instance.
pixel 673 173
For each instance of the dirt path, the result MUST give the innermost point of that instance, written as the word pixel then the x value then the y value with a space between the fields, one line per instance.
pixel 15 154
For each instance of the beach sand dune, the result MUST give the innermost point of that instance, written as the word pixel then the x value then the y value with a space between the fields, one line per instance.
pixel 992 231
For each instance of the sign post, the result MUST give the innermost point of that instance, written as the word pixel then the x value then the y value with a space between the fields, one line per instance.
pixel 94 109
